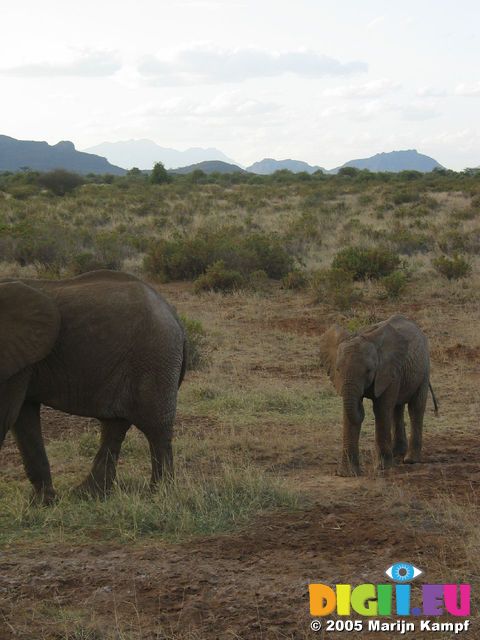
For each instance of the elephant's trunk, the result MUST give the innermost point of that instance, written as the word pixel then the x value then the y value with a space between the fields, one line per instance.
pixel 352 403
pixel 353 414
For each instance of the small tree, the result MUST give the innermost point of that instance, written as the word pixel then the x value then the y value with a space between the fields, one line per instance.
pixel 159 174
pixel 60 181
pixel 135 173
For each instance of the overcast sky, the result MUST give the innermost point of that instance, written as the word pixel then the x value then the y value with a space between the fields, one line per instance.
pixel 320 81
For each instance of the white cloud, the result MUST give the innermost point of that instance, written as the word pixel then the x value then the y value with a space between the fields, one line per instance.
pixel 432 92
pixel 418 111
pixel 376 22
pixel 229 105
pixel 464 139
pixel 374 108
pixel 208 64
pixel 372 89
pixel 93 64
pixel 363 111
pixel 468 90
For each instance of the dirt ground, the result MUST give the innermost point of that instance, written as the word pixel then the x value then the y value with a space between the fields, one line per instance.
pixel 253 584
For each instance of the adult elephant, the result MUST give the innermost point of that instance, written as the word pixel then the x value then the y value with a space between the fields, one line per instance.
pixel 103 345
pixel 388 363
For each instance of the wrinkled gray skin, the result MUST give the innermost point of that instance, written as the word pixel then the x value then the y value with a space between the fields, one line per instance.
pixel 389 364
pixel 103 345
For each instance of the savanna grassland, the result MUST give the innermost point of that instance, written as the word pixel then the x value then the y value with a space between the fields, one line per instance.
pixel 258 268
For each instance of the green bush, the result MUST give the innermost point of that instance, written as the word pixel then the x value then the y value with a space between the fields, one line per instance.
pixel 452 268
pixel 401 197
pixel 196 343
pixel 394 284
pixel 218 277
pixel 36 243
pixel 363 263
pixel 60 181
pixel 239 250
pixel 407 242
pixel 86 261
pixel 334 286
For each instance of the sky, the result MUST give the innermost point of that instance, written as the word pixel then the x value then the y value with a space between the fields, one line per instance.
pixel 319 81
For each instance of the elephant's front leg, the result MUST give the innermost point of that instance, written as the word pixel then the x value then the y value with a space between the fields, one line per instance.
pixel 383 411
pixel 104 468
pixel 28 435
pixel 400 441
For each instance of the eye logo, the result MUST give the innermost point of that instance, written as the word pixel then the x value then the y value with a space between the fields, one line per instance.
pixel 403 572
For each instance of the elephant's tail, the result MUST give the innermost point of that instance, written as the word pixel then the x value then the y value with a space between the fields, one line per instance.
pixel 435 403
pixel 184 362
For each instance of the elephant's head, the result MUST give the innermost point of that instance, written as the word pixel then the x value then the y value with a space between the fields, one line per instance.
pixel 370 360
pixel 29 326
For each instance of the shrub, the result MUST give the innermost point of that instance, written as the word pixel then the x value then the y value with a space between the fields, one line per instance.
pixel 239 250
pixel 452 268
pixel 401 197
pixel 349 172
pixel 40 244
pixel 295 279
pixel 60 181
pixel 219 278
pixel 86 261
pixel 395 284
pixel 364 263
pixel 258 280
pixel 334 286
pixel 196 343
pixel 407 242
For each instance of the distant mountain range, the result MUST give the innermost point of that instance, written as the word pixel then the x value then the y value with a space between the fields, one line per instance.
pixel 40 156
pixel 143 154
pixel 210 166
pixel 18 154
pixel 394 161
pixel 269 165
pixel 389 162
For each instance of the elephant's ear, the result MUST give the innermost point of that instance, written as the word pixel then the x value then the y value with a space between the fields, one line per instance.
pixel 392 350
pixel 29 325
pixel 329 342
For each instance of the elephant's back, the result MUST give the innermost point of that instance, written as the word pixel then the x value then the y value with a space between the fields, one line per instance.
pixel 115 333
pixel 119 298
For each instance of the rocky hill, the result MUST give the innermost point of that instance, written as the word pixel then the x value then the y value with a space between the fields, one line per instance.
pixel 269 165
pixel 394 161
pixel 16 155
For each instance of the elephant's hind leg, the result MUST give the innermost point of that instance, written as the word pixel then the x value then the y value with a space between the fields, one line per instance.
pixel 159 436
pixel 28 435
pixel 383 412
pixel 102 474
pixel 416 410
pixel 400 438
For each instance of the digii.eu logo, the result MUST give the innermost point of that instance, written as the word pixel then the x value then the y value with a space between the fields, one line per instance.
pixel 388 600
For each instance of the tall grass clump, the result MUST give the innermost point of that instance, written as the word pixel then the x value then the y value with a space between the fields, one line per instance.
pixel 188 506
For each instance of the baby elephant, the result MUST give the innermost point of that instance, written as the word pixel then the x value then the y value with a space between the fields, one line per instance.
pixel 388 363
